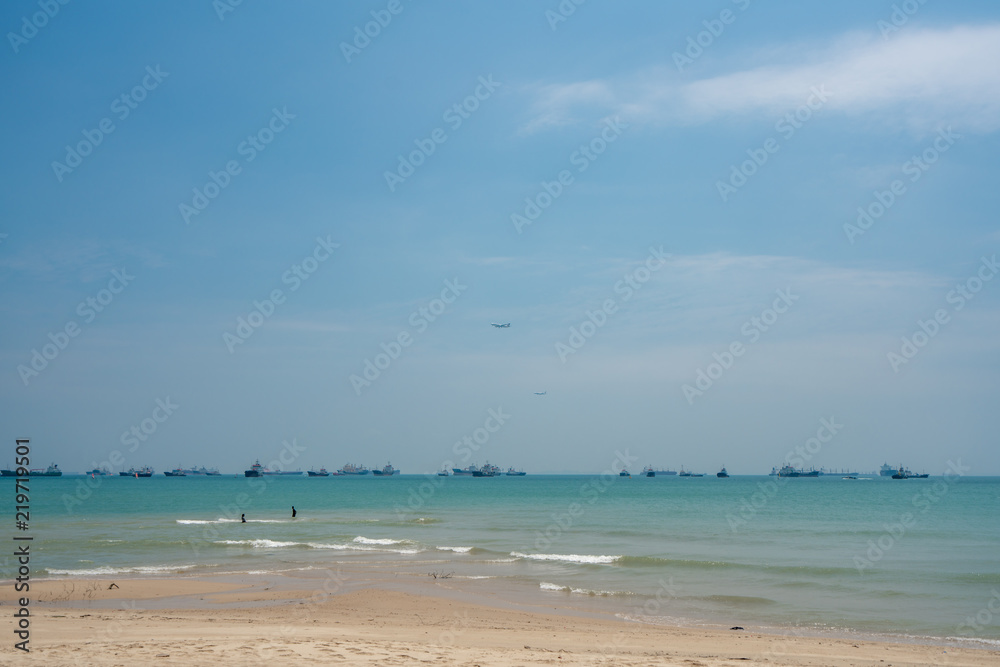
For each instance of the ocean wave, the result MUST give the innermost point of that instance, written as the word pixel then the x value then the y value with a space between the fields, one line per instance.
pixel 545 586
pixel 372 548
pixel 260 544
pixel 458 550
pixel 569 558
pixel 105 570
pixel 222 519
pixel 272 544
pixel 383 541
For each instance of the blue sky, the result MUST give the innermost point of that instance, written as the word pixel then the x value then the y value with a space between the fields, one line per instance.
pixel 747 164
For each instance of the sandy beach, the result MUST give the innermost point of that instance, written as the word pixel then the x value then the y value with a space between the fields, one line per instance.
pixel 213 621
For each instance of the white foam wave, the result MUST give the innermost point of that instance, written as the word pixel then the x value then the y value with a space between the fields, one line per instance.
pixel 368 540
pixel 545 586
pixel 458 550
pixel 223 519
pixel 273 544
pixel 260 544
pixel 568 558
pixel 142 569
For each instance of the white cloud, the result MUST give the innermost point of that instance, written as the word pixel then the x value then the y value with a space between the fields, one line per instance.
pixel 920 77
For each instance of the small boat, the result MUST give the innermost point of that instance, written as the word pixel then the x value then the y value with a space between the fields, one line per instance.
pixel 256 470
pixel 849 477
pixel 443 472
pixel 322 472
pixel 386 471
pixel 176 472
pixel 351 469
pixel 515 473
pixel 722 473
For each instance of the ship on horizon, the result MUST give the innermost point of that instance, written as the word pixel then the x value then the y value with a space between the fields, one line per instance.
pixel 210 472
pixel 488 470
pixel 52 471
pixel 351 469
pixel 905 473
pixel 144 471
pixel 789 471
pixel 386 471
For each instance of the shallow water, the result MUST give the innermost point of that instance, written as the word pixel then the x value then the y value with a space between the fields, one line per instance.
pixel 910 557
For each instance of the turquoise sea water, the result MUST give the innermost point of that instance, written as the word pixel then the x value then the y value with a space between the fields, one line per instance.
pixel 912 557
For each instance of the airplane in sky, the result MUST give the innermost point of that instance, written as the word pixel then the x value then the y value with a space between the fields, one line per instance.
pixel 501 326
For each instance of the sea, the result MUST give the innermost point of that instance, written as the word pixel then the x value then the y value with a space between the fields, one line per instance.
pixel 912 560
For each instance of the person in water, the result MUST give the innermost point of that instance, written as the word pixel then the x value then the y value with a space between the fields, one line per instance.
pixel 243 518
pixel 293 511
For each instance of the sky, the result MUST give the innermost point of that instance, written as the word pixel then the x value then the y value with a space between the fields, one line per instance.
pixel 723 233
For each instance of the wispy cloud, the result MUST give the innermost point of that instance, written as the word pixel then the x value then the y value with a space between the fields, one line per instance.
pixel 79 259
pixel 921 78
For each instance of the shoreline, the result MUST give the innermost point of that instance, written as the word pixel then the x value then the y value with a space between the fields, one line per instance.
pixel 236 619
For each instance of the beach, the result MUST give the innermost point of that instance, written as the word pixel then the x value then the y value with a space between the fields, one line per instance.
pixel 219 621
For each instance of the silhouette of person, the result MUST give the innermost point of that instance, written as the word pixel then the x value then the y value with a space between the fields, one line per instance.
pixel 243 518
pixel 293 511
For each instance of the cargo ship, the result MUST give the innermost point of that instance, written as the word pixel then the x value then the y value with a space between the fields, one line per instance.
pixel 487 470
pixel 322 472
pixel 789 471
pixel 903 473
pixel 52 471
pixel 144 471
pixel 176 472
pixel 351 469
pixel 386 471
pixel 464 472
pixel 515 473
pixel 210 472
